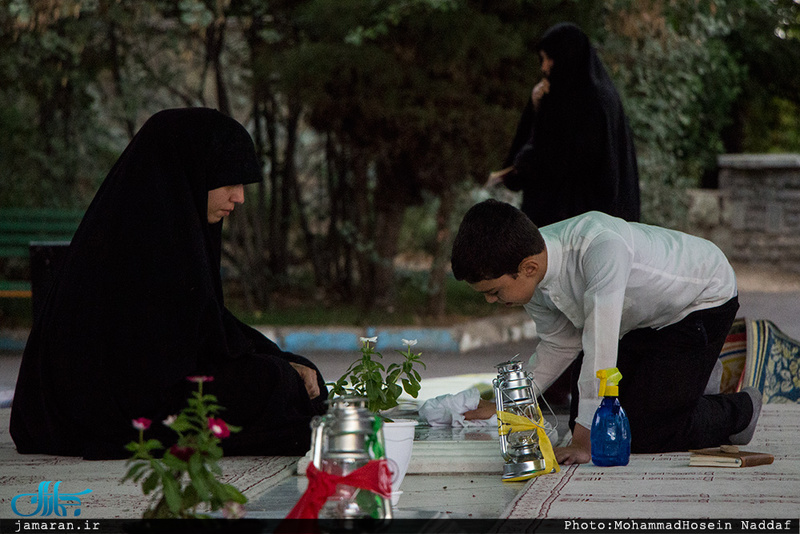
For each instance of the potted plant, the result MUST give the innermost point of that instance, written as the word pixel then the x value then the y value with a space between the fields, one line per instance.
pixel 184 481
pixel 382 386
pixel 367 377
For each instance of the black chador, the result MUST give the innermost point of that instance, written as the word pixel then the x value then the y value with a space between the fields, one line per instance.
pixel 574 153
pixel 137 307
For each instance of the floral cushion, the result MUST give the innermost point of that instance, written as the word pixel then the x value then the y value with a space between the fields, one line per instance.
pixel 733 357
pixel 773 362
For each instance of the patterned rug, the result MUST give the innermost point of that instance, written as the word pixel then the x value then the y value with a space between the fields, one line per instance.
pixel 664 486
pixel 22 473
pixel 773 362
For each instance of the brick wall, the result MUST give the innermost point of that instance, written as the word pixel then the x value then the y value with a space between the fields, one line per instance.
pixel 759 208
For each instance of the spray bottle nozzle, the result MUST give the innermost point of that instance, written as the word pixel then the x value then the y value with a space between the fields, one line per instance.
pixel 609 380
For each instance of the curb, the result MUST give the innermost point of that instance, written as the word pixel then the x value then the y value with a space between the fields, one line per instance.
pixel 13 340
pixel 462 337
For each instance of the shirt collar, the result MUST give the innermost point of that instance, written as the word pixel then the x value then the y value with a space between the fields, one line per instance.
pixel 553 261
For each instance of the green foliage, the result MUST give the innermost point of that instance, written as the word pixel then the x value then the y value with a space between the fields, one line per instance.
pixel 186 476
pixel 362 111
pixel 412 293
pixel 55 150
pixel 678 82
pixel 766 41
pixel 773 125
pixel 367 377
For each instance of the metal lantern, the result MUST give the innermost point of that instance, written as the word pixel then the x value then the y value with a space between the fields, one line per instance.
pixel 518 418
pixel 343 440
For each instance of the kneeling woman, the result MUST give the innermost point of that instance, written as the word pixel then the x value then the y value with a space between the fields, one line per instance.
pixel 137 306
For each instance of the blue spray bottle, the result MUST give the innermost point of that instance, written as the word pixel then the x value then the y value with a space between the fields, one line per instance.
pixel 611 432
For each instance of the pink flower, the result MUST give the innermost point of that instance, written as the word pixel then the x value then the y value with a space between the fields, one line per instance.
pixel 142 423
pixel 218 427
pixel 181 453
pixel 200 378
pixel 233 510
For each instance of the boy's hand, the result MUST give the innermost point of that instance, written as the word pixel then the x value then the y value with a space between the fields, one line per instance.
pixel 485 410
pixel 577 452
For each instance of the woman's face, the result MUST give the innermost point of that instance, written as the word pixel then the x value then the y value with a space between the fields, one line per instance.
pixel 222 200
pixel 547 62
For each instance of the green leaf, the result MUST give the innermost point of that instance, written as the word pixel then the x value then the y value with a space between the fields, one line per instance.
pixel 198 474
pixel 181 424
pixel 152 444
pixel 173 462
pixel 190 498
pixel 172 492
pixel 233 494
pixel 135 471
pixel 150 483
pixel 234 428
pixel 392 377
pixel 411 388
pixel 394 391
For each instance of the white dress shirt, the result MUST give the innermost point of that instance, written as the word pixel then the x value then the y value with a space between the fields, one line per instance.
pixel 606 277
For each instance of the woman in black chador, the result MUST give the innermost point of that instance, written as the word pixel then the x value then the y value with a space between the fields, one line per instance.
pixel 573 151
pixel 137 307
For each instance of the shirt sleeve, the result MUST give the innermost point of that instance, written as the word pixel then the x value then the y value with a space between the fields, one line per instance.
pixel 606 267
pixel 559 345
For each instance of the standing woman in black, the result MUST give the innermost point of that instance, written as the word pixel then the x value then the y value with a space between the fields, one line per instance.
pixel 573 150
pixel 137 306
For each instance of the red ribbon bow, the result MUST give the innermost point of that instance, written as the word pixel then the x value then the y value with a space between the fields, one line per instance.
pixel 374 476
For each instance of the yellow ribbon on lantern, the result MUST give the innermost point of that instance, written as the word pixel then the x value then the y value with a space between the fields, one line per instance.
pixel 508 422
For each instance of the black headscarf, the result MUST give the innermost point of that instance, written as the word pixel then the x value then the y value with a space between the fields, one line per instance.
pixel 575 153
pixel 137 306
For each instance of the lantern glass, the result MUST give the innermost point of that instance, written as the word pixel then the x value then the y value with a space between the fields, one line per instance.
pixel 345 439
pixel 515 394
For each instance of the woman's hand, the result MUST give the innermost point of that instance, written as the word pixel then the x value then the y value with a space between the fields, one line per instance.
pixel 539 90
pixel 309 377
pixel 496 177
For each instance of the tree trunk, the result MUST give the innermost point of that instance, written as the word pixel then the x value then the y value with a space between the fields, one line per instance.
pixel 361 232
pixel 215 42
pixel 388 224
pixel 437 295
pixel 116 75
pixel 338 248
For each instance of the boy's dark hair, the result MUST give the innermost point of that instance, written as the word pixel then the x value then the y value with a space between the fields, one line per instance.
pixel 493 239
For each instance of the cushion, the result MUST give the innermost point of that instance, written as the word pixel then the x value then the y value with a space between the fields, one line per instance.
pixel 773 362
pixel 733 357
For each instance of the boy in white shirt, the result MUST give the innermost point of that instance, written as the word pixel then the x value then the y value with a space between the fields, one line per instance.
pixel 655 303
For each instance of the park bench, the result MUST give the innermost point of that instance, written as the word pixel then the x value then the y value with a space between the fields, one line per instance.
pixel 23 230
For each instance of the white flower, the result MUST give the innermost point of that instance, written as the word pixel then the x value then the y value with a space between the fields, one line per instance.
pixel 169 420
pixel 369 339
pixel 409 342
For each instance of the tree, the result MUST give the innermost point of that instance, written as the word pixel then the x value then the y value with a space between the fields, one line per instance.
pixel 361 111
pixel 766 42
pixel 412 97
pixel 53 147
pixel 678 81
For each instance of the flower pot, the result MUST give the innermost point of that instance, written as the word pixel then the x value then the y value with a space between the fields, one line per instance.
pixel 399 438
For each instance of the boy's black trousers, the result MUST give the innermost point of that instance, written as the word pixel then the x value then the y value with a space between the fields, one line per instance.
pixel 664 374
